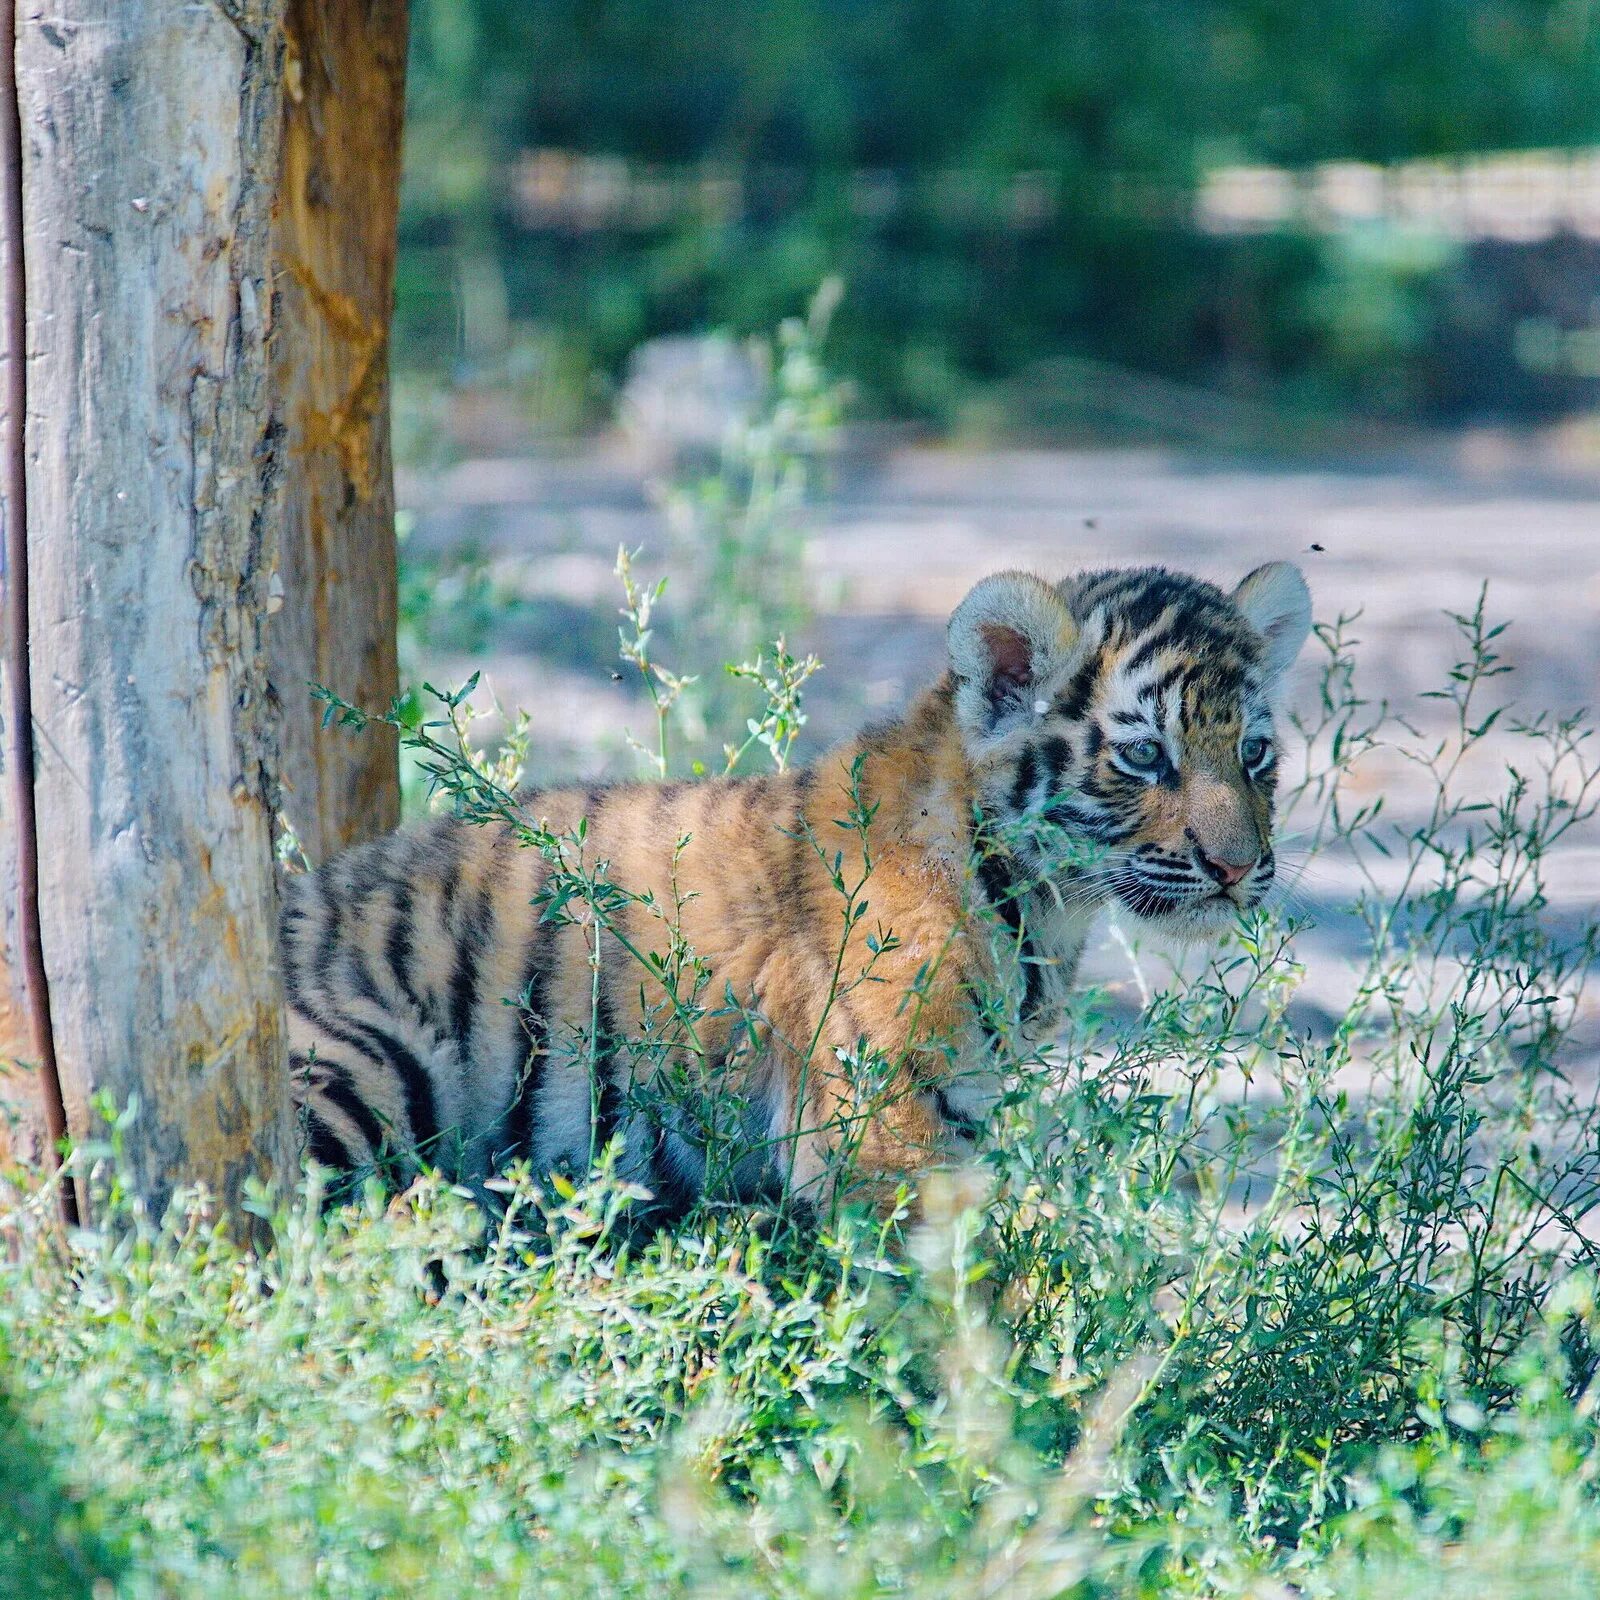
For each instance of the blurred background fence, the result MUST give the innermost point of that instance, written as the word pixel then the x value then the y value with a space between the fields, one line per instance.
pixel 1364 211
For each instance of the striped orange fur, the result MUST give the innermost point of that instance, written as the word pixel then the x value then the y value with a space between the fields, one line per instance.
pixel 453 1002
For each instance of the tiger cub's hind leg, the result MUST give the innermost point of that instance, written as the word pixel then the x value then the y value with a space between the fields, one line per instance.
pixel 373 1089
pixel 353 1110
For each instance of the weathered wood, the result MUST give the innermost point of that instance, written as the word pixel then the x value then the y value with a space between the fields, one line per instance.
pixel 150 135
pixel 30 1101
pixel 334 262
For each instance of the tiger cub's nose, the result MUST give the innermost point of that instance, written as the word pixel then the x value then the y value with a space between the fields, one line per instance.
pixel 1227 873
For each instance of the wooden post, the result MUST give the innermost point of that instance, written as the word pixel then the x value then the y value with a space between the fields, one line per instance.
pixel 150 132
pixel 344 80
pixel 32 1115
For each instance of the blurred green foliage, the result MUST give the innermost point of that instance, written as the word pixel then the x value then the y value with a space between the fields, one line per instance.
pixel 50 1547
pixel 884 141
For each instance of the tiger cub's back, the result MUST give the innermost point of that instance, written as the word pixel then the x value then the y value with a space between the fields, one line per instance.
pixel 438 1012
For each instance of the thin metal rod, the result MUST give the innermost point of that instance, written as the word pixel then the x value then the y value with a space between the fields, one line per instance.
pixel 14 486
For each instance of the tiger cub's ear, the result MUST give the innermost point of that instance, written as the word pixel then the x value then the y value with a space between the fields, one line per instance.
pixel 1009 635
pixel 1275 602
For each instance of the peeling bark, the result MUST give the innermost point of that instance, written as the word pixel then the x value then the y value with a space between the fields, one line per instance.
pixel 344 79
pixel 150 155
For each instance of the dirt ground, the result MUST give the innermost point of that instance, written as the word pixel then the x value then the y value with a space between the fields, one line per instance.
pixel 904 534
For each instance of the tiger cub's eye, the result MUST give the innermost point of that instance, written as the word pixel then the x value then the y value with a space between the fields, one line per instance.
pixel 1255 750
pixel 1142 753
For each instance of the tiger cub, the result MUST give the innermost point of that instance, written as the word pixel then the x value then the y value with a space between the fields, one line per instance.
pixel 1106 739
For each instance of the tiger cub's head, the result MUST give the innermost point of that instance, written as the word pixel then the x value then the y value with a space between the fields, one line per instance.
pixel 1119 728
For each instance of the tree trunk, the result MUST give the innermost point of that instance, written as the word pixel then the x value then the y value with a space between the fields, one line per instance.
pixel 150 154
pixel 30 1101
pixel 344 79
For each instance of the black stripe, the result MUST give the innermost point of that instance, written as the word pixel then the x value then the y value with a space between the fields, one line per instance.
pixel 452 842
pixel 1057 755
pixel 607 1105
pixel 377 1044
pixel 999 889
pixel 1169 679
pixel 1032 981
pixel 1069 814
pixel 472 938
pixel 1100 589
pixel 522 1114
pixel 328 944
pixel 1144 900
pixel 753 793
pixel 325 1147
pixel 335 1085
pixel 1148 648
pixel 1027 775
pixel 666 793
pixel 397 948
pixel 1074 699
pixel 422 1111
pixel 1146 608
pixel 608 1111
pixel 366 870
pixel 381 1047
pixel 381 1144
pixel 360 976
pixel 957 1119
